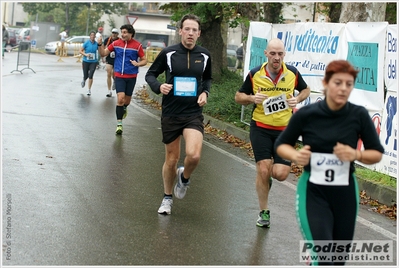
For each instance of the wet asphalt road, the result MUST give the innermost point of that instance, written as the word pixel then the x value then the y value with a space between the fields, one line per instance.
pixel 74 193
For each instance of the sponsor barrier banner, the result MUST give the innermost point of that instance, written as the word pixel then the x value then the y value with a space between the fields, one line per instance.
pixel 310 47
pixel 389 124
pixel 389 136
pixel 258 36
pixel 366 51
pixel 391 58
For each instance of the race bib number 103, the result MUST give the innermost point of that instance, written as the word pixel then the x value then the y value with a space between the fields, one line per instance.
pixel 275 104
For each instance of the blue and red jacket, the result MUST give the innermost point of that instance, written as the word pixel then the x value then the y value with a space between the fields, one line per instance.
pixel 125 51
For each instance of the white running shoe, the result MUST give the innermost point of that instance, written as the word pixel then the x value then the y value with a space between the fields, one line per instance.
pixel 166 206
pixel 180 187
pixel 88 92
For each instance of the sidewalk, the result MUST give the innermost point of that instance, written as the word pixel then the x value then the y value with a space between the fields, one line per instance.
pixel 382 194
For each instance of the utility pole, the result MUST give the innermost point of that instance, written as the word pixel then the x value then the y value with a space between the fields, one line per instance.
pixel 314 10
pixel 88 18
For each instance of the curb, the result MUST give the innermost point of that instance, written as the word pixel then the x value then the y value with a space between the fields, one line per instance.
pixel 383 194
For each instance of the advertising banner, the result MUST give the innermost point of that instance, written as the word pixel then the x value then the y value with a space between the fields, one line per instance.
pixel 311 46
pixel 258 36
pixel 366 51
pixel 389 136
pixel 391 58
pixel 390 119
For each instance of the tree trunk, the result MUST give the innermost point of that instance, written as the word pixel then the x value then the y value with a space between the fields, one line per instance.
pixel 211 38
pixel 335 12
pixel 272 12
pixel 365 12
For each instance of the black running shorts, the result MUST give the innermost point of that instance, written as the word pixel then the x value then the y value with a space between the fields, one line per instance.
pixel 262 140
pixel 172 127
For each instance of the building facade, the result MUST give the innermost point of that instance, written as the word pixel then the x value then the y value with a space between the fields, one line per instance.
pixel 12 14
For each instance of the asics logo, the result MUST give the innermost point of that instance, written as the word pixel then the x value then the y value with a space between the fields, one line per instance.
pixel 329 162
pixel 272 100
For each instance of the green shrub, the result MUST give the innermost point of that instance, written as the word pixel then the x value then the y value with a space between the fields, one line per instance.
pixel 221 103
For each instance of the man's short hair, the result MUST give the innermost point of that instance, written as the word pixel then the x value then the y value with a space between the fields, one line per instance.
pixel 189 17
pixel 129 29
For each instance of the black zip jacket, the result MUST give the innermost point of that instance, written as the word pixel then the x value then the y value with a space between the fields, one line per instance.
pixel 178 61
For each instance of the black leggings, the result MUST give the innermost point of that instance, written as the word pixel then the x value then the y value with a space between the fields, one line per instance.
pixel 327 213
pixel 88 69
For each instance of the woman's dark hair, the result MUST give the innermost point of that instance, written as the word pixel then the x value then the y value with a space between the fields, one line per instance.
pixel 92 32
pixel 190 17
pixel 339 66
pixel 129 29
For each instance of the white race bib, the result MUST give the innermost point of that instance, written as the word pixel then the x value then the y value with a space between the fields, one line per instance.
pixel 185 86
pixel 91 56
pixel 327 169
pixel 275 104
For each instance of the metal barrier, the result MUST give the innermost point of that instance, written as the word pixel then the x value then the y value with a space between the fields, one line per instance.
pixel 76 52
pixel 23 56
pixel 61 51
pixel 151 53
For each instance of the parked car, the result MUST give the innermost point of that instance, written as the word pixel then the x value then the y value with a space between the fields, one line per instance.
pixel 12 37
pixel 231 58
pixel 72 44
pixel 233 47
pixel 23 35
pixel 231 53
pixel 153 43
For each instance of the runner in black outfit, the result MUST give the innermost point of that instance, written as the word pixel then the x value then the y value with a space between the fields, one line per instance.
pixel 327 191
pixel 110 61
pixel 187 67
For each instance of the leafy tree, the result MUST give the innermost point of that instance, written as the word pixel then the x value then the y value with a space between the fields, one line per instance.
pixel 34 8
pixel 74 15
pixel 246 12
pixel 331 10
pixel 272 12
pixel 391 13
pixel 215 17
pixel 212 18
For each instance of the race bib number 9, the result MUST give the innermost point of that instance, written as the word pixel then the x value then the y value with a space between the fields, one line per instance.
pixel 275 104
pixel 327 169
pixel 185 86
